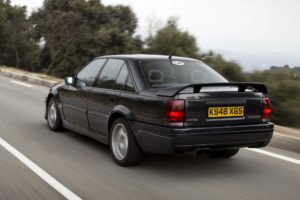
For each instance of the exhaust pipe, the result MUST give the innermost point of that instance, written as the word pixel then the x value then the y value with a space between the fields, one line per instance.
pixel 204 151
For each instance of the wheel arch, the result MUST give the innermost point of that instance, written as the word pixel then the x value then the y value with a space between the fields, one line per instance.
pixel 49 96
pixel 119 111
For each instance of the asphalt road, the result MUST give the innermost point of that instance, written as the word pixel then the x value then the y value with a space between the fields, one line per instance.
pixel 86 168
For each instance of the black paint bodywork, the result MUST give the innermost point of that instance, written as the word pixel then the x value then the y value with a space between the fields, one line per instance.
pixel 91 111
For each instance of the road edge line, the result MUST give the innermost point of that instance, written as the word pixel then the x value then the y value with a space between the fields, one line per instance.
pixel 274 155
pixel 23 84
pixel 64 191
pixel 287 136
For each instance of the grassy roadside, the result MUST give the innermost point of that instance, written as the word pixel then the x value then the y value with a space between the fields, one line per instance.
pixel 38 75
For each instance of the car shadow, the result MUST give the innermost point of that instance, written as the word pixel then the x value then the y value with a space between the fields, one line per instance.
pixel 186 166
pixel 177 166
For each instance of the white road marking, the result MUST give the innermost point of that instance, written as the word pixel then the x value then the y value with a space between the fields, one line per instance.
pixel 21 83
pixel 274 155
pixel 68 194
pixel 287 136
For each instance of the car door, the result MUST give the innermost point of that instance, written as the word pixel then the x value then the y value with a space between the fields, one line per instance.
pixel 74 97
pixel 102 97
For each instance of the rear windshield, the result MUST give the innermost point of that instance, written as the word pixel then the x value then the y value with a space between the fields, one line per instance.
pixel 163 73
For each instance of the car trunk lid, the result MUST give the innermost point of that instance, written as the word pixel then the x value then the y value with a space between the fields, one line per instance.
pixel 220 104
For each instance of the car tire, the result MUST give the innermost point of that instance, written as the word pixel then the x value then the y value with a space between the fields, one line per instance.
pixel 226 153
pixel 53 116
pixel 123 145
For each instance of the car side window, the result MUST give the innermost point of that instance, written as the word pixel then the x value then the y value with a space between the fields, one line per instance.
pixel 129 86
pixel 87 76
pixel 120 82
pixel 109 73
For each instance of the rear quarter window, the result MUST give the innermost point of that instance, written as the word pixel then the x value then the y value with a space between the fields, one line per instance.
pixel 120 82
pixel 109 73
pixel 129 86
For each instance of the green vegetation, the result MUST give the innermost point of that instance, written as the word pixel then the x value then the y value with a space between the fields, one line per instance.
pixel 284 92
pixel 16 44
pixel 75 31
pixel 170 40
pixel 62 36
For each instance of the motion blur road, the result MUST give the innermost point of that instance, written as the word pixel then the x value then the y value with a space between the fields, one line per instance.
pixel 85 166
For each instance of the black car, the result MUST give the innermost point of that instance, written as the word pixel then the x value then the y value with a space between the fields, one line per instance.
pixel 160 104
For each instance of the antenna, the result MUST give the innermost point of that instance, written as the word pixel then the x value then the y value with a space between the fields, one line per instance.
pixel 172 54
pixel 172 67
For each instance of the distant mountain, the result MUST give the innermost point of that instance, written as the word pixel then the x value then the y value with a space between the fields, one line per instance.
pixel 260 60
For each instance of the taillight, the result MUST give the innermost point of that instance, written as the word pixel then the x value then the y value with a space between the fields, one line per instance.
pixel 266 108
pixel 175 110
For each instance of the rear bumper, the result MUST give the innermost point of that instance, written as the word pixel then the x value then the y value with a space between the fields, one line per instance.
pixel 157 139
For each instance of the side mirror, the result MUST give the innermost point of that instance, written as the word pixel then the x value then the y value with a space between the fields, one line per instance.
pixel 69 80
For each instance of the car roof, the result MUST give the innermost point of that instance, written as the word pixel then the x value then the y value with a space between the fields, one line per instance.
pixel 146 57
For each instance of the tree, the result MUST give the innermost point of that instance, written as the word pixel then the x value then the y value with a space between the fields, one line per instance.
pixel 59 24
pixel 16 44
pixel 284 92
pixel 229 69
pixel 170 40
pixel 76 31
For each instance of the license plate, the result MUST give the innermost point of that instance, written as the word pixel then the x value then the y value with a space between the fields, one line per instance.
pixel 228 111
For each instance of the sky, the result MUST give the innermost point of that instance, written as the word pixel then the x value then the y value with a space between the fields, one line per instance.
pixel 242 26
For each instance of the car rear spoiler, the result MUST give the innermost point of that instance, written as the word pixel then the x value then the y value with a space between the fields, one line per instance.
pixel 242 86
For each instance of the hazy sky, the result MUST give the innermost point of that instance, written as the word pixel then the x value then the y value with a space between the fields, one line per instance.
pixel 235 25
